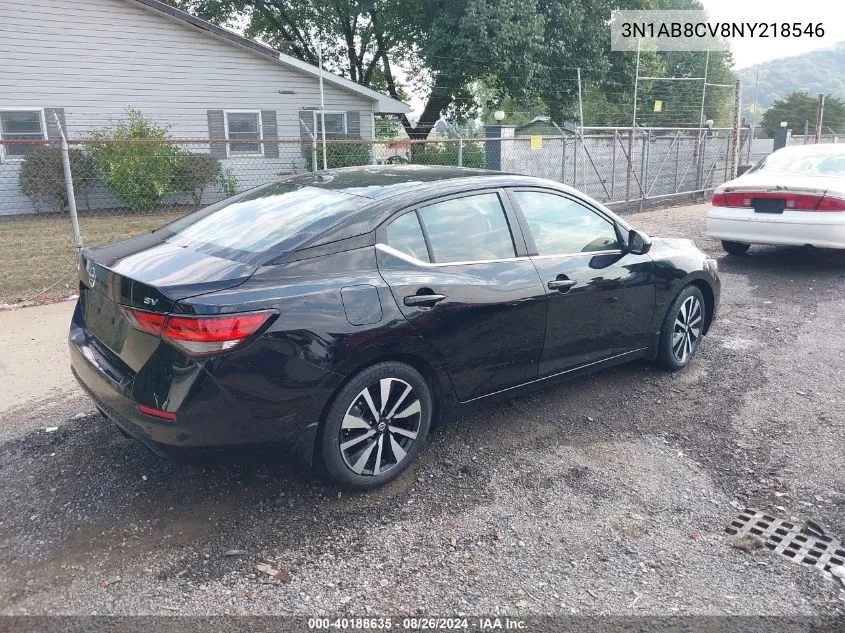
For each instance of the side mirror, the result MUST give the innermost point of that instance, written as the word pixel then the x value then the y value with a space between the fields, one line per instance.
pixel 638 242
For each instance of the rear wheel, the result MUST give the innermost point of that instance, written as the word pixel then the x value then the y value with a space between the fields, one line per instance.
pixel 683 327
pixel 376 426
pixel 735 248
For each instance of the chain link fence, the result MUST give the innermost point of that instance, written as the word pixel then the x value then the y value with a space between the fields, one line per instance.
pixel 126 188
pixel 628 168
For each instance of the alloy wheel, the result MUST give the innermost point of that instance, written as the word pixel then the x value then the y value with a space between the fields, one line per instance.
pixel 380 426
pixel 686 332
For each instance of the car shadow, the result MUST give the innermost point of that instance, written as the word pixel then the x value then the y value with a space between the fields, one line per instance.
pixel 781 259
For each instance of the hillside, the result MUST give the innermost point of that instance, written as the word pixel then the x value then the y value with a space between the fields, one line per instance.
pixel 816 72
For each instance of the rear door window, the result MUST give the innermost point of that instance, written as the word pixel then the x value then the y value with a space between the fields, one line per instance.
pixel 468 229
pixel 405 235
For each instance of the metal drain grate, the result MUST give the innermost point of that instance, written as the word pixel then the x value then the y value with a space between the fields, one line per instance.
pixel 798 541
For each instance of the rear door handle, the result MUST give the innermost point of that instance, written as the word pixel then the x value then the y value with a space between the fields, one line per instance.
pixel 423 300
pixel 563 285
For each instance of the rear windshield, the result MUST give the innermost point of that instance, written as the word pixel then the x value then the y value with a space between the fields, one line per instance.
pixel 266 221
pixel 816 163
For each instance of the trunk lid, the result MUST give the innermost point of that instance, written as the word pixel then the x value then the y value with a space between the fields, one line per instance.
pixel 764 182
pixel 150 274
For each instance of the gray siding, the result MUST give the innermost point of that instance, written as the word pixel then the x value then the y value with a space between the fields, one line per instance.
pixel 93 58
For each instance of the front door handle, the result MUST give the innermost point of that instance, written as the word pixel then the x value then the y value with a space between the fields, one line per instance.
pixel 423 300
pixel 561 285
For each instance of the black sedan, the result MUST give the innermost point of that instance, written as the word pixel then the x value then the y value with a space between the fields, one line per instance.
pixel 346 312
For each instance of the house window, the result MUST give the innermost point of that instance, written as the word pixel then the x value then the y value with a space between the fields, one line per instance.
pixel 242 127
pixel 20 125
pixel 335 123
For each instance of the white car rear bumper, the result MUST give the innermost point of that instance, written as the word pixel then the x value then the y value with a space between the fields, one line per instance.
pixel 790 228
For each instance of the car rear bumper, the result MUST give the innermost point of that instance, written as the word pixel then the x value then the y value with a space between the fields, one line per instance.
pixel 212 407
pixel 790 228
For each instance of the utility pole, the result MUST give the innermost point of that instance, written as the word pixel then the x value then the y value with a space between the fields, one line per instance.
pixel 322 103
pixel 737 129
pixel 754 113
pixel 581 133
pixel 704 89
pixel 817 137
pixel 702 135
pixel 631 133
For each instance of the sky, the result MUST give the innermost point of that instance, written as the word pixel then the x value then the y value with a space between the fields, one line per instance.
pixel 750 51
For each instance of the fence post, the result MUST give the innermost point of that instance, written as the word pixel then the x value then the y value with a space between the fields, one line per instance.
pixel 642 169
pixel 613 167
pixel 71 196
pixel 702 146
pixel 630 159
pixel 460 151
pixel 562 157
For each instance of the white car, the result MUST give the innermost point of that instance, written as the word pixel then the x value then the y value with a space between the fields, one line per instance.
pixel 793 197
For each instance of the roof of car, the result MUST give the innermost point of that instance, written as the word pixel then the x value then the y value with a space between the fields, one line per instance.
pixel 390 188
pixel 377 182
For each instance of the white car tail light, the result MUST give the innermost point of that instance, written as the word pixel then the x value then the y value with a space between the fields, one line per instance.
pixel 792 201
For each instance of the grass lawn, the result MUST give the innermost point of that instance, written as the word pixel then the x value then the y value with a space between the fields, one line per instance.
pixel 38 249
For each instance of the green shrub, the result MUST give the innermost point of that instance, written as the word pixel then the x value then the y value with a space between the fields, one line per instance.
pixel 447 154
pixel 139 173
pixel 340 154
pixel 42 178
pixel 228 182
pixel 194 172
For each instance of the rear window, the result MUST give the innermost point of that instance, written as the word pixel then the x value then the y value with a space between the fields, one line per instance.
pixel 269 220
pixel 815 163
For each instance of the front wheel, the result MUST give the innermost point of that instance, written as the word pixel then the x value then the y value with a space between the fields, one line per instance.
pixel 683 327
pixel 735 248
pixel 376 426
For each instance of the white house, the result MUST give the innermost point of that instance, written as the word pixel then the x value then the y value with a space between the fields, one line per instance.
pixel 88 60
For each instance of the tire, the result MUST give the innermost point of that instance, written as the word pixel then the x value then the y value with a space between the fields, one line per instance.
pixel 735 248
pixel 365 443
pixel 685 318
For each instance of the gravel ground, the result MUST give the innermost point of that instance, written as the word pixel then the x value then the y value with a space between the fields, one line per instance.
pixel 605 495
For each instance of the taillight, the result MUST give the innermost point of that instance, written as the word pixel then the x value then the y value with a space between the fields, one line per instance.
pixel 731 200
pixel 829 203
pixel 200 335
pixel 792 201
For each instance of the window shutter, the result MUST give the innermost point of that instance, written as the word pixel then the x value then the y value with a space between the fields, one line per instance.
pixel 353 123
pixel 217 132
pixel 270 132
pixel 52 129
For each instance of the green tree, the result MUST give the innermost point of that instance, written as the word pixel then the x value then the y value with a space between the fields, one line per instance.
pixel 514 47
pixel 798 107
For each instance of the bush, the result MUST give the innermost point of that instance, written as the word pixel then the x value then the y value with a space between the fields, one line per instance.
pixel 140 174
pixel 194 172
pixel 340 154
pixel 42 178
pixel 447 154
pixel 228 182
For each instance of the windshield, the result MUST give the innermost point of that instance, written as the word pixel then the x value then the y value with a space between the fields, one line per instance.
pixel 277 218
pixel 815 163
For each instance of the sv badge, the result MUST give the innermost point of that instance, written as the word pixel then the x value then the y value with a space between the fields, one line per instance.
pixel 150 301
